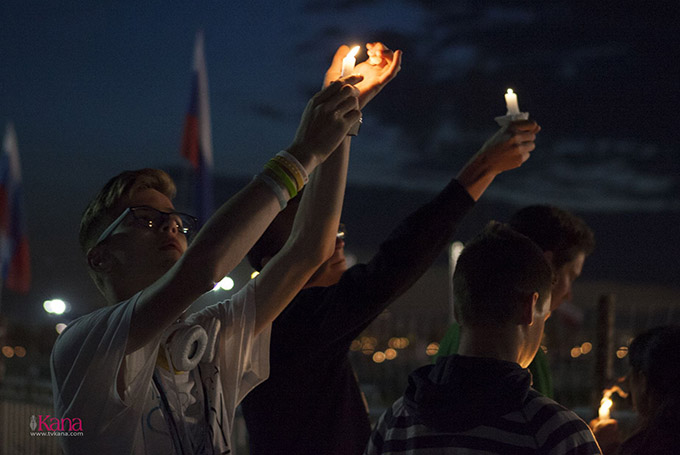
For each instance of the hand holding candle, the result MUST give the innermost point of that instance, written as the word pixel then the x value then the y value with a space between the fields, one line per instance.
pixel 605 429
pixel 377 71
pixel 381 67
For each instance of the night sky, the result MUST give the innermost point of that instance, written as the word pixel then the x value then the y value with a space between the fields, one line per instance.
pixel 97 87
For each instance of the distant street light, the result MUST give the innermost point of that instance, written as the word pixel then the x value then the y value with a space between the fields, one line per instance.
pixel 55 306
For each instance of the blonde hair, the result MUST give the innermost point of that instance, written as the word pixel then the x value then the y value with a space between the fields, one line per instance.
pixel 106 206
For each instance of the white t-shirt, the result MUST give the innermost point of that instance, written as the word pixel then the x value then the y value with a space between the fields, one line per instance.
pixel 88 354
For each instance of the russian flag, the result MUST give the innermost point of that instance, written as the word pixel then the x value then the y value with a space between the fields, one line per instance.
pixel 15 265
pixel 197 140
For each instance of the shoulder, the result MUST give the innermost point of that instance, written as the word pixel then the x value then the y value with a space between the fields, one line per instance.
pixel 397 422
pixel 220 304
pixel 93 327
pixel 558 429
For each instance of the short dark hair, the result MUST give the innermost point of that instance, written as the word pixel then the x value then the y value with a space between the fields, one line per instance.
pixel 105 206
pixel 656 354
pixel 495 273
pixel 554 229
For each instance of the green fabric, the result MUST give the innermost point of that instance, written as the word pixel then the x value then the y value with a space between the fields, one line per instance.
pixel 539 367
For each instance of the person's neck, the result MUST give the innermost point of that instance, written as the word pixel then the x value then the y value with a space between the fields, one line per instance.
pixel 502 343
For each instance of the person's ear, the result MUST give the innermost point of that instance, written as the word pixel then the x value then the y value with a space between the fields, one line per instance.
pixel 99 259
pixel 529 309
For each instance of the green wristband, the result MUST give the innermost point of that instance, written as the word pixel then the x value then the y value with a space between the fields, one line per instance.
pixel 283 177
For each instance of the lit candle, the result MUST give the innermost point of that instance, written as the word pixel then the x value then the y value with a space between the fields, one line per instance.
pixel 605 406
pixel 349 62
pixel 510 102
pixel 606 402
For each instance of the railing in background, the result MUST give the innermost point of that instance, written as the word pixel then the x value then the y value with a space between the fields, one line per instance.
pixel 20 400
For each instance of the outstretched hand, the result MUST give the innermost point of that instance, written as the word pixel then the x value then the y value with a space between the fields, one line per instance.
pixel 507 149
pixel 378 70
pixel 511 146
pixel 326 120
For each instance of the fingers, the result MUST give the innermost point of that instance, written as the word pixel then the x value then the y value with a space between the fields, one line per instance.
pixel 520 137
pixel 378 54
pixel 393 68
pixel 325 93
pixel 346 106
pixel 524 125
pixel 342 100
pixel 352 79
pixel 346 91
pixel 524 139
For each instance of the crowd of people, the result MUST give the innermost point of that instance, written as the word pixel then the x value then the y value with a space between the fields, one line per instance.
pixel 146 374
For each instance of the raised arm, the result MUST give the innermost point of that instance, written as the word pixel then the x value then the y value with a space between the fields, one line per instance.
pixel 312 238
pixel 366 289
pixel 505 150
pixel 236 226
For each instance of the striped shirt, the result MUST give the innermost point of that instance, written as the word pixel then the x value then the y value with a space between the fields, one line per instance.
pixel 542 426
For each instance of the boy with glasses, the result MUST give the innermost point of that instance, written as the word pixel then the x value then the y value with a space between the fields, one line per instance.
pixel 140 375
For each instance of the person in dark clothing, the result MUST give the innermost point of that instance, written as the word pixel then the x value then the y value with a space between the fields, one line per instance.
pixel 653 381
pixel 566 241
pixel 480 400
pixel 311 403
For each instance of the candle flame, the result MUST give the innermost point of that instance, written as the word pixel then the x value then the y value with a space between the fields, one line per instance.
pixel 510 92
pixel 354 51
pixel 605 406
pixel 606 401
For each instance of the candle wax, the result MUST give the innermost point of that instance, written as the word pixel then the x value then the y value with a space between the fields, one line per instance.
pixel 511 102
pixel 349 62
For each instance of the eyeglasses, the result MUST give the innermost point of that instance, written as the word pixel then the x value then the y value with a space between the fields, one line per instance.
pixel 151 218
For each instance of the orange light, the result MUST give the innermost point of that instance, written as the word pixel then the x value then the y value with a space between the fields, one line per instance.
pixel 432 349
pixel 605 406
pixel 606 401
pixel 379 357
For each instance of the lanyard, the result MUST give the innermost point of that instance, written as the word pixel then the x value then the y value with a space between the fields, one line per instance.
pixel 167 412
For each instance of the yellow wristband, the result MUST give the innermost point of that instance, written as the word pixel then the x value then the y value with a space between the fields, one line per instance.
pixel 283 177
pixel 292 170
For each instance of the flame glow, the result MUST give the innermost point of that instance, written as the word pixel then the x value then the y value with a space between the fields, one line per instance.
pixel 353 51
pixel 606 401
pixel 605 406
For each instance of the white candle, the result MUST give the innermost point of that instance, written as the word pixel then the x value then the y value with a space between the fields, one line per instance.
pixel 349 62
pixel 511 102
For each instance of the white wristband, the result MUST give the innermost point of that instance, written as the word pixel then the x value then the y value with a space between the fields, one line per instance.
pixel 293 160
pixel 278 190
